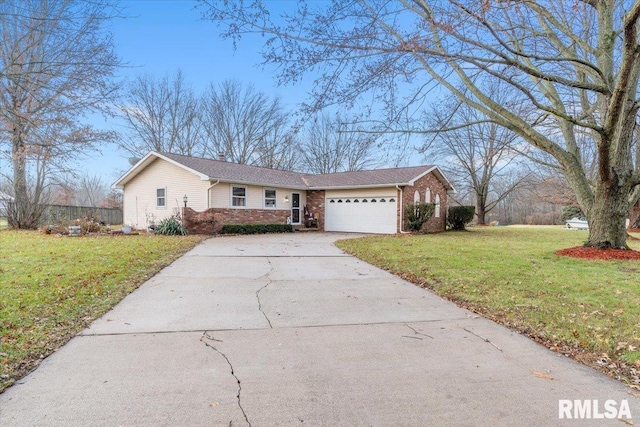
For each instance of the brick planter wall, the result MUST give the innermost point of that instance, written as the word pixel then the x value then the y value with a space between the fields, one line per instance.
pixel 434 225
pixel 212 220
pixel 315 204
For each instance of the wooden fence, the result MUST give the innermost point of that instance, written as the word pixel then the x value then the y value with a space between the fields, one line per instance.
pixel 55 213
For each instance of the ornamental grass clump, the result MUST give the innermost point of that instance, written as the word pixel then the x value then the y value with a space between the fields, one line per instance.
pixel 170 227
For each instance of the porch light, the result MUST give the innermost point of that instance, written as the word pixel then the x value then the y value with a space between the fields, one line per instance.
pixel 286 199
pixel 184 199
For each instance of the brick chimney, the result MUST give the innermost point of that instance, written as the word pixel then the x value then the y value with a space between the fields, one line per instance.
pixel 222 157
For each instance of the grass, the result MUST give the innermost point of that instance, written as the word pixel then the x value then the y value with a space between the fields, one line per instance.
pixel 51 287
pixel 587 309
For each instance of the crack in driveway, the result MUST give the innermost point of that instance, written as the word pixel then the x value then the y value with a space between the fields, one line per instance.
pixel 262 288
pixel 207 336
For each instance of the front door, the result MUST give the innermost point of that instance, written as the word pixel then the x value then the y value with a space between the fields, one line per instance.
pixel 295 208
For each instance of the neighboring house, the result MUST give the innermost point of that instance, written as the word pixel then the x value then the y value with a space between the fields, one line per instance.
pixel 220 192
pixel 5 200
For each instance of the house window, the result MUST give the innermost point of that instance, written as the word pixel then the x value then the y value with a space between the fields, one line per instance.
pixel 427 196
pixel 161 198
pixel 437 214
pixel 416 197
pixel 238 197
pixel 269 198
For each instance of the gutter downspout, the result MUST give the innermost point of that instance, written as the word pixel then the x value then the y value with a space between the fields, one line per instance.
pixel 401 210
pixel 209 193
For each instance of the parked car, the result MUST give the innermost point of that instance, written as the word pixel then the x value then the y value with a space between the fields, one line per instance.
pixel 577 224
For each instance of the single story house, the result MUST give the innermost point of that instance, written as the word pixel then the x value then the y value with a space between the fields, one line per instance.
pixel 211 193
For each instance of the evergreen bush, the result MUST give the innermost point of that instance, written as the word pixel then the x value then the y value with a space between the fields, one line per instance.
pixel 459 216
pixel 417 214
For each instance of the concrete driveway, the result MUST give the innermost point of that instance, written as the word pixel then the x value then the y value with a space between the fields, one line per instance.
pixel 282 330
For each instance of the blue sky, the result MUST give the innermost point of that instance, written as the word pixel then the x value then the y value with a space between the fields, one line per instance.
pixel 159 37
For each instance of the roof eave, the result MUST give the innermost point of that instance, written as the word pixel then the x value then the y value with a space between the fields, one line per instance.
pixel 260 184
pixel 348 187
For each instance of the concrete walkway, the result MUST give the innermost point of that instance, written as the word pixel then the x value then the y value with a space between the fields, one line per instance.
pixel 283 330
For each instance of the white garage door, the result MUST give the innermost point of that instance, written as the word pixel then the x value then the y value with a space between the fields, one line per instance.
pixel 361 214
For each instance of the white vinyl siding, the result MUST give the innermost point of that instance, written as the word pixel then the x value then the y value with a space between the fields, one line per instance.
pixel 220 196
pixel 141 197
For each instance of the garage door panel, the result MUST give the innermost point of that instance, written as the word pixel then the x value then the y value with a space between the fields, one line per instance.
pixel 361 214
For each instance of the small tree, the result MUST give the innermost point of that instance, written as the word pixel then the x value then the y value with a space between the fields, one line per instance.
pixel 570 212
pixel 459 216
pixel 418 214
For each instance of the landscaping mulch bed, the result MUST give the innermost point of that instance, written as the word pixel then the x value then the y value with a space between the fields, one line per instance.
pixel 603 254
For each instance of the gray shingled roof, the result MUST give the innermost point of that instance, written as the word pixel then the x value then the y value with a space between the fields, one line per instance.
pixel 367 178
pixel 245 174
pixel 227 171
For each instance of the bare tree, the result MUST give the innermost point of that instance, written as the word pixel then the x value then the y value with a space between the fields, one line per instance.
pixel 162 115
pixel 475 152
pixel 56 62
pixel 332 145
pixel 245 125
pixel 572 66
pixel 91 191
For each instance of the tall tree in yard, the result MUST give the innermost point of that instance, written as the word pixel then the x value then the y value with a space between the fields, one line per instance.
pixel 475 152
pixel 332 145
pixel 572 67
pixel 246 126
pixel 56 61
pixel 162 115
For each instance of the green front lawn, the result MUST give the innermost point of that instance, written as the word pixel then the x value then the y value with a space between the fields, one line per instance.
pixel 587 309
pixel 51 287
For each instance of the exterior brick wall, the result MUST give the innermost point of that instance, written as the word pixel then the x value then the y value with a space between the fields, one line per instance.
pixel 315 204
pixel 211 220
pixel 434 225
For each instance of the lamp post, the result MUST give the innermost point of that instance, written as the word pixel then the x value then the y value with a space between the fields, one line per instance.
pixel 184 199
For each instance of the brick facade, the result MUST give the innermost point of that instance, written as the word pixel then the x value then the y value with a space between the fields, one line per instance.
pixel 315 204
pixel 430 181
pixel 212 220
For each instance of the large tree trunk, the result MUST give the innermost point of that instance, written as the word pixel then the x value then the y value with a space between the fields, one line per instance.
pixel 26 211
pixel 481 212
pixel 607 216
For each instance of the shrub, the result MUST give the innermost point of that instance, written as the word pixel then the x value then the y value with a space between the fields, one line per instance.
pixel 417 214
pixel 170 227
pixel 256 228
pixel 459 216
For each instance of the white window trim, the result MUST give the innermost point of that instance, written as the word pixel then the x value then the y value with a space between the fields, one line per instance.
pixel 274 198
pixel 231 187
pixel 165 198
